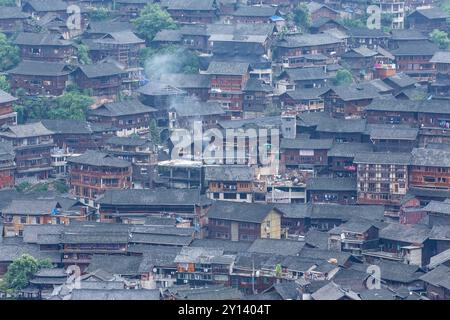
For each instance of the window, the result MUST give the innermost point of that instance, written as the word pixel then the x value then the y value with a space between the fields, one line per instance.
pixel 23 219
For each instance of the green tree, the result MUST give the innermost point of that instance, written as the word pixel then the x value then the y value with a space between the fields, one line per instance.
pixel 154 132
pixel 4 84
pixel 343 77
pixel 9 53
pixel 151 20
pixel 83 54
pixel 301 17
pixel 352 23
pixel 386 20
pixel 99 14
pixel 71 105
pixel 22 269
pixel 60 186
pixel 8 3
pixel 21 187
pixel 440 38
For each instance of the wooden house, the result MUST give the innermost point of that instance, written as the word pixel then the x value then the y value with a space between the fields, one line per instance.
pixel 243 221
pixel 44 47
pixel 40 78
pixel 93 172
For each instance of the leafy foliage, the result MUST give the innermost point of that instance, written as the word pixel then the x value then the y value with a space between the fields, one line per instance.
pixel 9 53
pixel 21 187
pixel 154 132
pixel 60 186
pixel 70 106
pixel 83 54
pixel 21 270
pixel 151 20
pixel 301 17
pixel 440 38
pixel 99 13
pixel 4 84
pixel 343 77
pixel 8 3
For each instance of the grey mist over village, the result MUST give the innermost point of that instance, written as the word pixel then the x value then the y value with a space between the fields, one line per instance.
pixel 246 151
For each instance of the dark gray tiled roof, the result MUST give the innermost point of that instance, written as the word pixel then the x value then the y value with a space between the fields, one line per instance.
pixel 431 13
pixel 101 69
pixel 416 234
pixel 317 239
pixel 190 5
pixel 165 230
pixel 346 212
pixel 312 144
pixel 115 294
pixel 229 173
pixel 108 26
pixel 357 32
pixel 115 264
pixel 294 210
pixel 40 39
pixel 307 93
pixel 151 197
pixel 127 141
pixel 331 184
pixel 349 149
pixel 47 5
pixel 401 80
pixel 356 92
pixel 377 294
pixel 13 13
pixel 34 129
pixel 279 247
pixel 160 221
pixel 122 108
pixel 195 108
pixel 408 34
pixel 38 68
pixel 383 158
pixel 255 11
pixel 5 97
pixel 262 122
pixel 226 245
pixel 95 238
pixel 441 57
pixel 96 158
pixel 353 225
pixel 438 277
pixel 31 207
pixel 122 37
pixel 67 126
pixel 10 252
pixel 360 51
pixel 187 81
pixel 244 212
pixel 227 68
pixel 306 40
pixel 305 74
pixel 31 233
pixel 430 157
pixel 168 36
pixel 413 48
pixel 157 256
pixel 438 207
pixel 329 124
pixel 255 85
pixel 388 131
